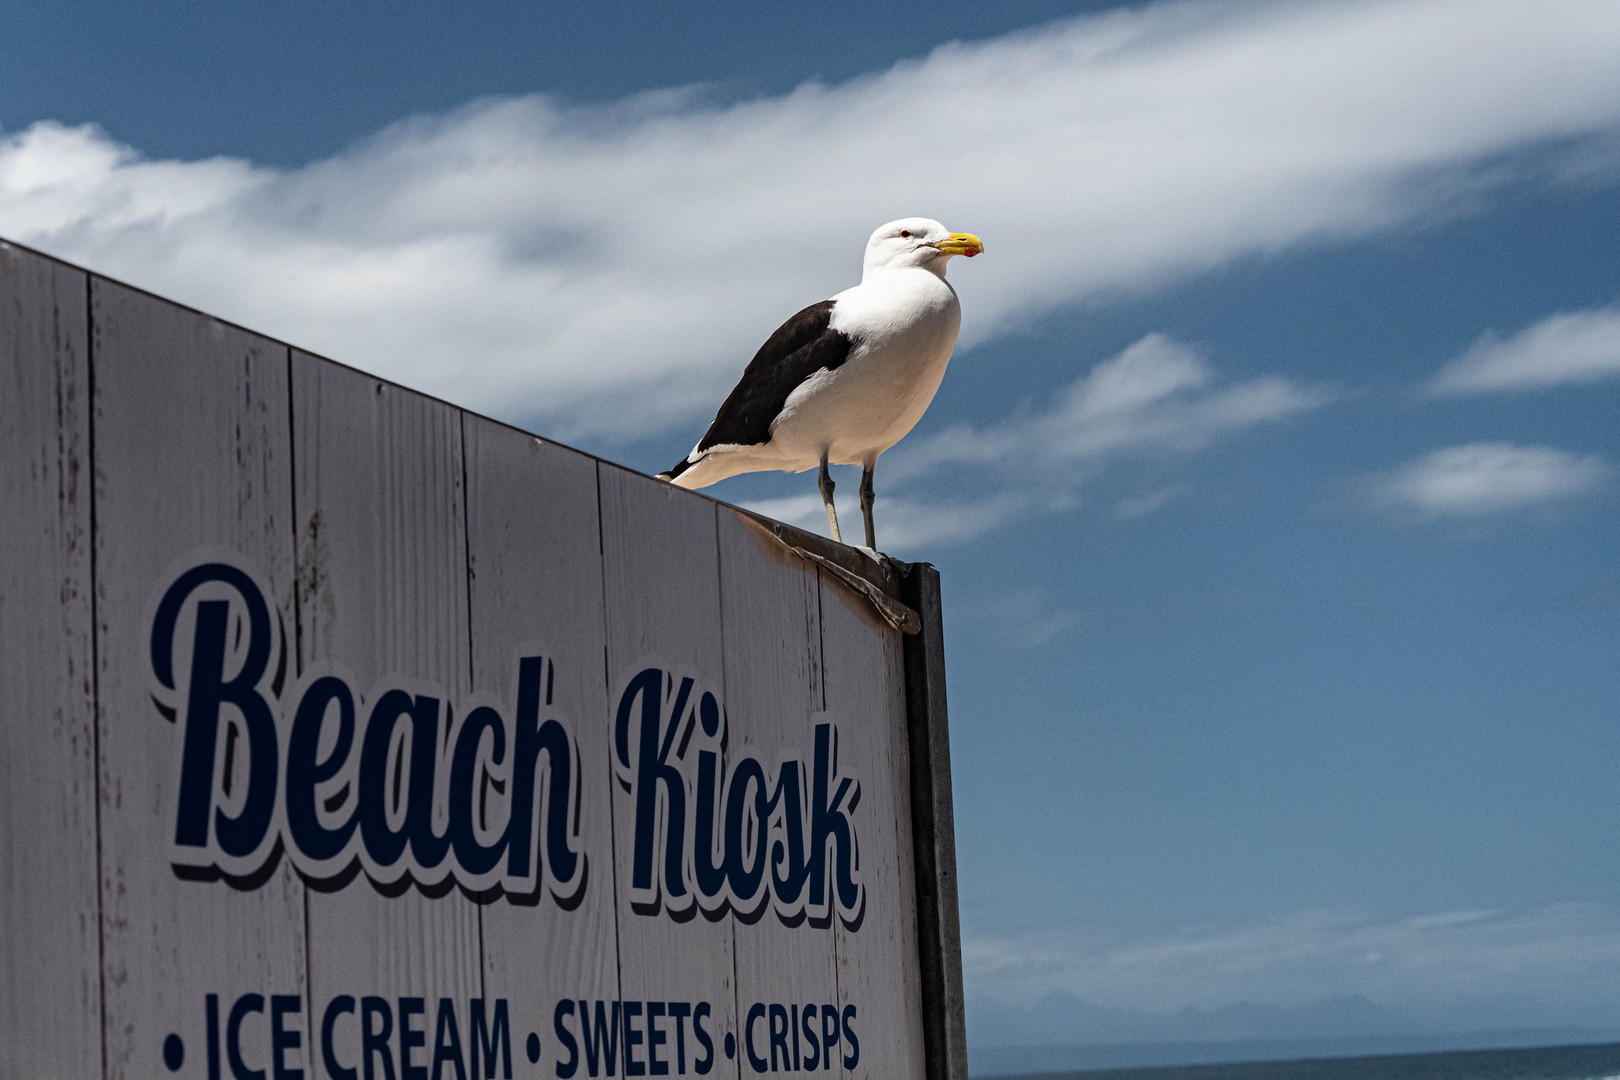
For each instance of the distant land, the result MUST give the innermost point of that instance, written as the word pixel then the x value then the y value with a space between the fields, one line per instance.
pixel 1599 1062
pixel 1060 1032
pixel 1061 1019
pixel 988 1061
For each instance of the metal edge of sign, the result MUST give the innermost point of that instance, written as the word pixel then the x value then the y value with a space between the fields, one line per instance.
pixel 933 828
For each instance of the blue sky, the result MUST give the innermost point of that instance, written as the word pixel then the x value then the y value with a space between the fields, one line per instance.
pixel 1276 482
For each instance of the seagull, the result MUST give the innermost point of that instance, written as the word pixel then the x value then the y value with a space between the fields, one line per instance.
pixel 845 379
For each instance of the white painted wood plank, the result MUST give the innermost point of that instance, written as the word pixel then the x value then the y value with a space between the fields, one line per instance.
pixel 877 964
pixel 191 449
pixel 661 584
pixel 50 967
pixel 772 639
pixel 383 598
pixel 536 585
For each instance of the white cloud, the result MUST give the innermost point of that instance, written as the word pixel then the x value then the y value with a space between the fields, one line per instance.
pixel 590 268
pixel 1147 502
pixel 1160 394
pixel 1019 618
pixel 1157 396
pixel 1557 952
pixel 1483 478
pixel 1570 347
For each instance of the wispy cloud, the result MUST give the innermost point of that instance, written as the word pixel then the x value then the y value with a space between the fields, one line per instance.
pixel 592 268
pixel 1016 619
pixel 1570 347
pixel 1157 396
pixel 1483 478
pixel 1558 953
pixel 1141 505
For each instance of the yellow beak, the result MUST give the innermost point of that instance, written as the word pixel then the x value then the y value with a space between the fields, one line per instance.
pixel 961 243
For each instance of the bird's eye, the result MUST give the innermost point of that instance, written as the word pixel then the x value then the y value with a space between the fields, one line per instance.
pixel 905 232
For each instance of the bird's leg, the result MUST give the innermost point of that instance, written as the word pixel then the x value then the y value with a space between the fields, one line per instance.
pixel 827 488
pixel 867 498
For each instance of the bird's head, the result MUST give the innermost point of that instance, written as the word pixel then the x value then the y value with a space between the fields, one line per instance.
pixel 920 242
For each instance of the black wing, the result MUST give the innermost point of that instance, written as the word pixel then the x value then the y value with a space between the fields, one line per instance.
pixel 800 347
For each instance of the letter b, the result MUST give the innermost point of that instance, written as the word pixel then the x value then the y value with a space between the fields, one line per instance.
pixel 207 691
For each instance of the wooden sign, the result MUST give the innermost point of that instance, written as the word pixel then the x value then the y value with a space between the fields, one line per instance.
pixel 347 734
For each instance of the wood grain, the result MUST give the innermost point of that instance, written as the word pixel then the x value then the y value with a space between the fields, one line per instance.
pixel 662 593
pixel 877 965
pixel 382 578
pixel 191 450
pixel 536 586
pixel 772 638
pixel 50 966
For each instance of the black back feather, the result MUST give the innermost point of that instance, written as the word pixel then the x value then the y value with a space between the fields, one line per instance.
pixel 800 347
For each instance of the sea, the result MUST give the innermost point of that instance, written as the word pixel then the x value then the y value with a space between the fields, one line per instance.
pixel 1585 1062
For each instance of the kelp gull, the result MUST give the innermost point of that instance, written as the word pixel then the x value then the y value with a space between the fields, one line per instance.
pixel 845 379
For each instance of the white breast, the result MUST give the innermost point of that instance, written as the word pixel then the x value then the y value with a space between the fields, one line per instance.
pixel 904 323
